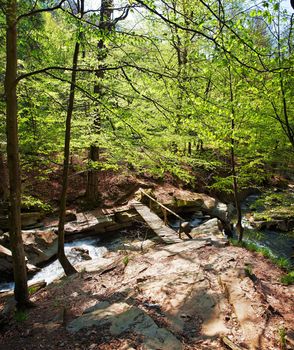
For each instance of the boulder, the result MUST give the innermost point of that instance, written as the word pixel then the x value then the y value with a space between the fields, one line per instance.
pixel 31 219
pixel 70 215
pixel 6 265
pixel 40 246
pixel 27 220
pixel 283 225
pixel 187 201
pixel 81 253
pixel 210 227
pixel 88 223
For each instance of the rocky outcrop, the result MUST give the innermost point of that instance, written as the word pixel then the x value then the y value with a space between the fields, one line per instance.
pixel 272 223
pixel 186 201
pixel 89 224
pixel 187 290
pixel 6 267
pixel 122 318
pixel 6 264
pixel 81 253
pixel 28 220
pixel 210 227
pixel 40 246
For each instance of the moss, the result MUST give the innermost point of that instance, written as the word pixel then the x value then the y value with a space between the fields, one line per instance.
pixel 281 262
pixel 277 206
pixel 288 278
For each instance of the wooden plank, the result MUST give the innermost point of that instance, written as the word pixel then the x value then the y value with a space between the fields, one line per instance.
pixel 168 235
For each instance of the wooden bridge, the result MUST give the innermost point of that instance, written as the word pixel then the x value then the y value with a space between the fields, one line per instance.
pixel 167 234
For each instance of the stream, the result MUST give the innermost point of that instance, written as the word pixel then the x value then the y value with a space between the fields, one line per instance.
pixel 96 247
pixel 280 244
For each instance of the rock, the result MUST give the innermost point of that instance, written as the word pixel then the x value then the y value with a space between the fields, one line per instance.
pixel 95 264
pixel 126 318
pixel 283 225
pixel 210 227
pixel 88 223
pixel 6 264
pixel 32 269
pixel 30 219
pixel 83 253
pixel 127 216
pixel 247 305
pixel 4 240
pixel 70 215
pixel 187 201
pixel 40 246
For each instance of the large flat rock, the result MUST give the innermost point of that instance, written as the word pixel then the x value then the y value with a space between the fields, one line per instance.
pixel 123 317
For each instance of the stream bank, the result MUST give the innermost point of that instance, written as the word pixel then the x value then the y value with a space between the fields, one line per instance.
pixel 195 294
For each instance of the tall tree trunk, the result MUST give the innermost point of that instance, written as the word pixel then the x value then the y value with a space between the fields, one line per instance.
pixel 93 196
pixel 16 243
pixel 239 226
pixel 67 266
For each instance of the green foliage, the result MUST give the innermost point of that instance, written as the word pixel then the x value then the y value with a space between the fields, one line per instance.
pixel 126 260
pixel 31 203
pixel 288 278
pixel 20 316
pixel 282 262
pixel 270 199
pixel 182 84
pixel 282 338
pixel 273 205
pixel 32 290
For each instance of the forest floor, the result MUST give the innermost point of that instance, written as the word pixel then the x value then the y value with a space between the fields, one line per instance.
pixel 187 295
pixel 191 295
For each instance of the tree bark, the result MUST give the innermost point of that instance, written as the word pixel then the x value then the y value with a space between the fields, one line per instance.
pixel 93 196
pixel 16 243
pixel 67 266
pixel 239 226
pixel 4 178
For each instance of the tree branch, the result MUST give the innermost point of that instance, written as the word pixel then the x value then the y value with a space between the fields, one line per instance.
pixel 35 12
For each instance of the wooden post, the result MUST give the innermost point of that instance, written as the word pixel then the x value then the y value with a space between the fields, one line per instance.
pixel 164 216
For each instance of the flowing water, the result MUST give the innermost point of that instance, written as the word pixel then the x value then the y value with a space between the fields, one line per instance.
pixel 280 244
pixel 96 248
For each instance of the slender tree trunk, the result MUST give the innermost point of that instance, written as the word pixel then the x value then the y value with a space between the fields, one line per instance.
pixel 239 226
pixel 16 244
pixel 93 196
pixel 4 178
pixel 67 266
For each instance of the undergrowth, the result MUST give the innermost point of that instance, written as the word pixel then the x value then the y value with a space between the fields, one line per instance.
pixel 281 262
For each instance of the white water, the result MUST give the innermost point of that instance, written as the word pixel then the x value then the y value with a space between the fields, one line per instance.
pixel 54 270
